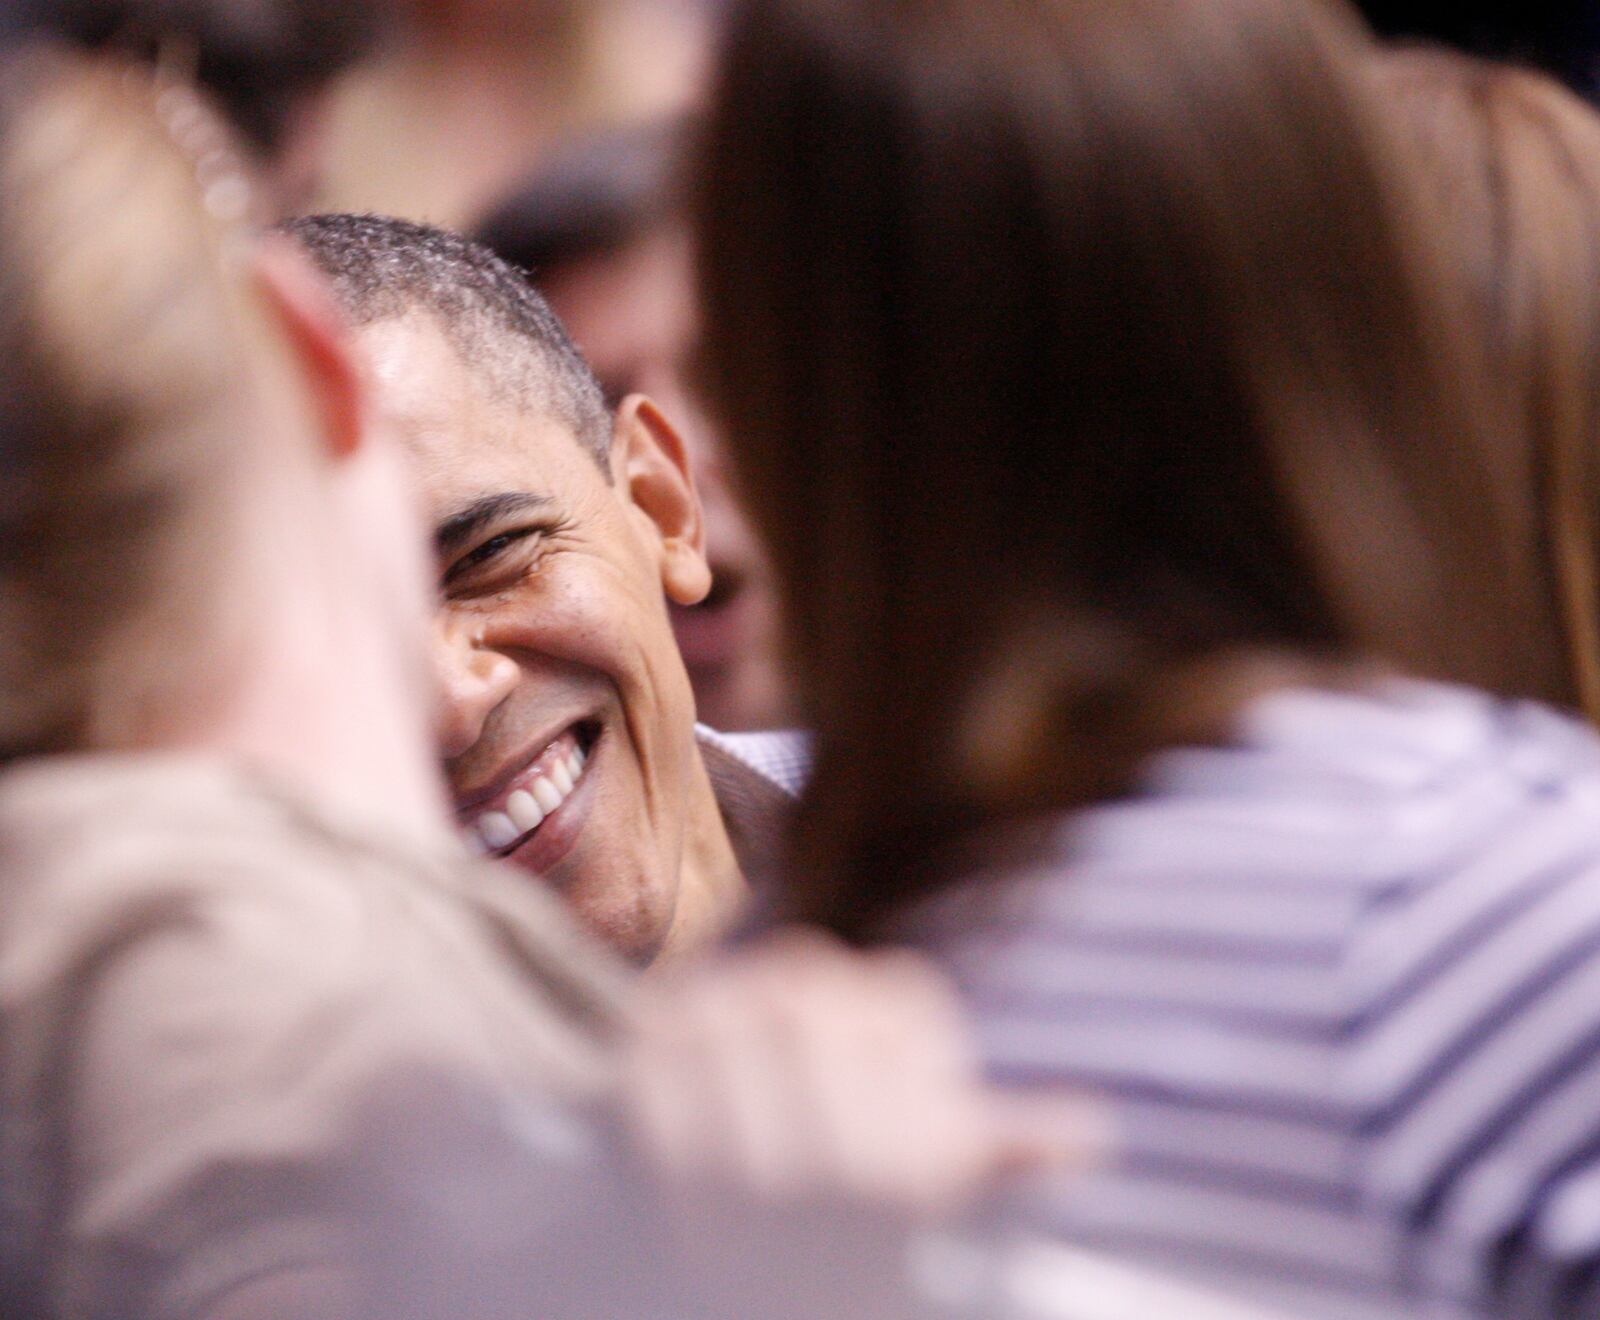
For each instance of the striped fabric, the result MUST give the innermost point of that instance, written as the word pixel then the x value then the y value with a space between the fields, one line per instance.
pixel 1342 980
pixel 782 757
pixel 756 777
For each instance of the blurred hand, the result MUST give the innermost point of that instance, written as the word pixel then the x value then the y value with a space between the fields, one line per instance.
pixel 799 1070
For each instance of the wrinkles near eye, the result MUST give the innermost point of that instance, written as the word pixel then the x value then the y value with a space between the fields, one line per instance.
pixel 487 554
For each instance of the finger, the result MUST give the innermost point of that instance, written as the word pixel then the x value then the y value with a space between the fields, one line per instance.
pixel 816 1083
pixel 939 1153
pixel 842 1067
pixel 659 1100
pixel 753 1085
pixel 891 1099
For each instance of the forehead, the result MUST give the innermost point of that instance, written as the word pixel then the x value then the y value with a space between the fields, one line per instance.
pixel 463 439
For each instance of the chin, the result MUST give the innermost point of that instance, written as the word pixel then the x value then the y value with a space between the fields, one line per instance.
pixel 630 930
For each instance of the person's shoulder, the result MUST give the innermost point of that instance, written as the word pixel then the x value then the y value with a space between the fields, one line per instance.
pixel 283 969
pixel 199 881
pixel 1323 806
pixel 1377 741
pixel 1403 734
pixel 94 844
pixel 101 851
pixel 1358 785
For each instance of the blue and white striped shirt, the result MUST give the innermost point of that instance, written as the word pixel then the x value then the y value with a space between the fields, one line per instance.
pixel 1341 980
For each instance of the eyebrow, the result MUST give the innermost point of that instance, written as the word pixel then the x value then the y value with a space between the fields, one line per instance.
pixel 455 529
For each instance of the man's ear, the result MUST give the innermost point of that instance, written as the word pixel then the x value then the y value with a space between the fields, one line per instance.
pixel 318 338
pixel 651 467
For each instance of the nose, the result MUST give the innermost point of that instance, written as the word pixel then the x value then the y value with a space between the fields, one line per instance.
pixel 473 680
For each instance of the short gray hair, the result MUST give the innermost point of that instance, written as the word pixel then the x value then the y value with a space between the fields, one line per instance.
pixel 382 268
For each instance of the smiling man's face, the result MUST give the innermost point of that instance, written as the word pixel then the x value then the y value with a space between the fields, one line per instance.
pixel 568 725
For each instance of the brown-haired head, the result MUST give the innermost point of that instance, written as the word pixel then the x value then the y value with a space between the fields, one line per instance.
pixel 122 368
pixel 1076 350
pixel 1511 162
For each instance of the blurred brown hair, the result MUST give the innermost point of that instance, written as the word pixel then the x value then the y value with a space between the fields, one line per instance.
pixel 124 398
pixel 1078 349
pixel 1512 161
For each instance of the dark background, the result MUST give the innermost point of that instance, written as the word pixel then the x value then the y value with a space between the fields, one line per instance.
pixel 1561 37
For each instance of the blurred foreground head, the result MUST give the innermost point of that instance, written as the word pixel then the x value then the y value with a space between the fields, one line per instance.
pixel 196 516
pixel 1076 351
pixel 1512 161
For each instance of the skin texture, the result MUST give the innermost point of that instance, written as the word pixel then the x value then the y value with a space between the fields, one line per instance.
pixel 553 618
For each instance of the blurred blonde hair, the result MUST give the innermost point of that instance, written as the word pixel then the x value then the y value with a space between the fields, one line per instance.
pixel 1512 160
pixel 125 394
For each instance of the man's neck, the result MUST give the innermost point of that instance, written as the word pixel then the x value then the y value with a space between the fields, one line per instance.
pixel 711 887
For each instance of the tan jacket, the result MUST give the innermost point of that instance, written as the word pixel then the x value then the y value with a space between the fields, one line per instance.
pixel 204 983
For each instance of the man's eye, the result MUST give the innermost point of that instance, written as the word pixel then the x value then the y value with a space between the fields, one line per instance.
pixel 490 550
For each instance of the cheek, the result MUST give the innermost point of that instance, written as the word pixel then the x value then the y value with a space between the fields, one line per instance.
pixel 585 615
pixel 621 627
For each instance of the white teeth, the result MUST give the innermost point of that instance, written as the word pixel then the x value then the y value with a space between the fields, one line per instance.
pixel 527 808
pixel 545 794
pixel 525 813
pixel 497 829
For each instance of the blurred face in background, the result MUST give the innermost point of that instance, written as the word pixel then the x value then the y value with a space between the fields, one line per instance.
pixel 631 310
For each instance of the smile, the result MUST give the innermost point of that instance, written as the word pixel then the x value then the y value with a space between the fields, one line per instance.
pixel 508 820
